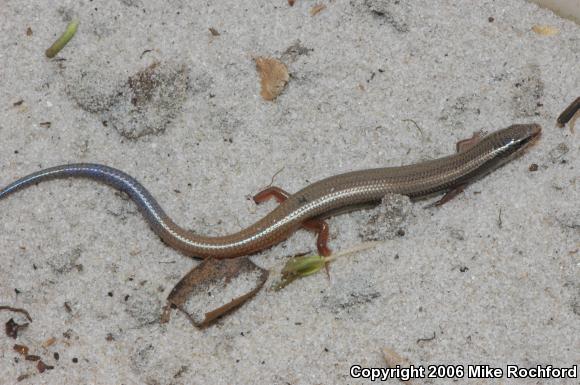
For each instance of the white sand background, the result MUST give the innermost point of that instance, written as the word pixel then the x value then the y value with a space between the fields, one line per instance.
pixel 489 292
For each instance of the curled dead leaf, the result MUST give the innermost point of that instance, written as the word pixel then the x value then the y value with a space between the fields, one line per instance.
pixel 214 288
pixel 273 77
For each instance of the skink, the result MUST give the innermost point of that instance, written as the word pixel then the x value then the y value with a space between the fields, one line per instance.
pixel 309 206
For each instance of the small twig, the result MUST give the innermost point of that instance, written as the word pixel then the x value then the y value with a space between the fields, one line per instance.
pixel 427 339
pixel 275 175
pixel 59 44
pixel 17 310
pixel 144 52
pixel 568 225
pixel 416 125
pixel 355 249
pixel 568 114
pixel 499 221
pixel 249 197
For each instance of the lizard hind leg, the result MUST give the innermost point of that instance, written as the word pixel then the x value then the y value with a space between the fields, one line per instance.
pixel 318 226
pixel 321 228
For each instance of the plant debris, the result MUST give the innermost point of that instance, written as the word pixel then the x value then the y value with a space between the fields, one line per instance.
pixel 394 359
pixel 426 339
pixel 416 125
pixel 17 310
pixel 214 288
pixel 49 342
pixel 21 349
pixel 45 124
pixel 22 377
pixel 28 31
pixel 145 52
pixel 59 44
pixel 213 31
pixel 41 366
pixel 273 77
pixel 317 9
pixel 545 30
pixel 12 328
pixel 302 265
pixel 570 114
pixel 533 167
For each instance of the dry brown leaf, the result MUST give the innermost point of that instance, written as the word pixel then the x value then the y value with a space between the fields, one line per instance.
pixel 273 77
pixel 291 2
pixel 214 288
pixel 545 30
pixel 316 9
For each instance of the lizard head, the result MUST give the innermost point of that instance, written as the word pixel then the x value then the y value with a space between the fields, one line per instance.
pixel 511 141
